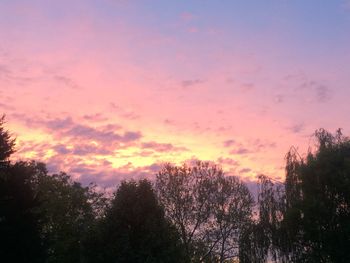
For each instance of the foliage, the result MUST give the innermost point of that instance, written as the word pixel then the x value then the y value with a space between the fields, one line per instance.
pixel 232 210
pixel 135 229
pixel 7 143
pixel 43 218
pixel 66 216
pixel 260 241
pixel 208 209
pixel 56 211
pixel 19 219
pixel 317 216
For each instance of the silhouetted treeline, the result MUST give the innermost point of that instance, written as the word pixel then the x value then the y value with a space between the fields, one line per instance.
pixel 191 213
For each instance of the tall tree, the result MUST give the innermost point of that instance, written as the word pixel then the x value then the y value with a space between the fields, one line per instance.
pixel 208 209
pixel 232 211
pixel 135 229
pixel 318 200
pixel 20 239
pixel 66 216
pixel 261 240
pixel 43 218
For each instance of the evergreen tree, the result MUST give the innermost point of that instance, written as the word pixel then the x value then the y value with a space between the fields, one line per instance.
pixel 135 229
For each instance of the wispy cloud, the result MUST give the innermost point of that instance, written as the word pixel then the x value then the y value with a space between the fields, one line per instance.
pixel 297 128
pixel 162 147
pixel 254 146
pixel 229 143
pixel 191 82
pixel 240 151
pixel 131 115
pixel 66 81
pixel 97 117
pixel 323 93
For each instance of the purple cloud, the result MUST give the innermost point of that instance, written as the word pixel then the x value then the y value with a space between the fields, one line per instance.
pixel 68 82
pixel 229 143
pixel 297 128
pixel 105 134
pixel 240 151
pixel 323 93
pixel 95 117
pixel 191 82
pixel 162 147
pixel 61 149
pixel 130 115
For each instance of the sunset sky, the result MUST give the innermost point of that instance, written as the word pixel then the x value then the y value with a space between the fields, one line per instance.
pixel 111 89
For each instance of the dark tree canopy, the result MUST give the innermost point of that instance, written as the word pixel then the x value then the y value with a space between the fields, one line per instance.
pixel 20 239
pixel 66 216
pixel 308 220
pixel 260 241
pixel 135 229
pixel 43 218
pixel 318 200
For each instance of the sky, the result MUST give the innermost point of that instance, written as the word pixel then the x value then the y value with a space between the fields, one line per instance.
pixel 108 90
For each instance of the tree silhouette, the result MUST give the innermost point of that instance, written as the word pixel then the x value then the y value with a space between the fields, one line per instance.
pixel 135 229
pixel 261 240
pixel 43 218
pixel 318 200
pixel 20 239
pixel 67 214
pixel 209 209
